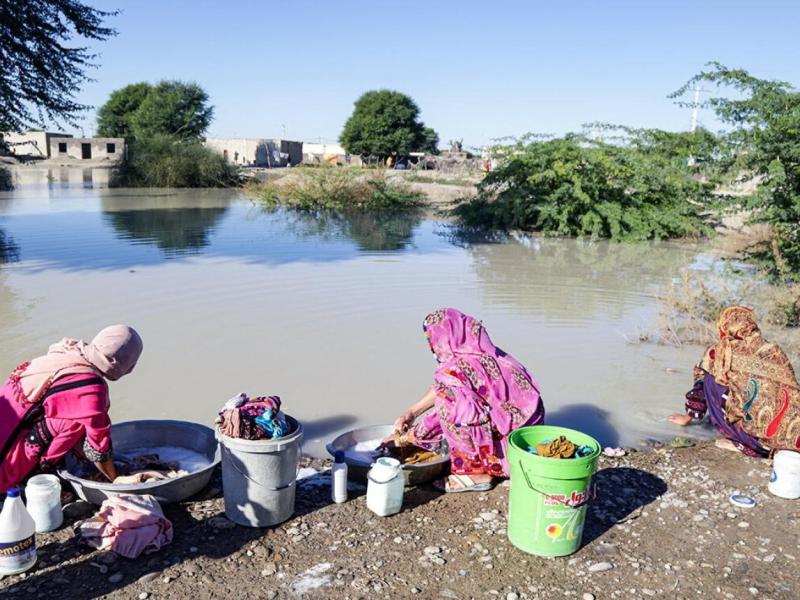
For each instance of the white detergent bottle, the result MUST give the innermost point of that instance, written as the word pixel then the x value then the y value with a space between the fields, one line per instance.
pixel 385 487
pixel 17 536
pixel 339 478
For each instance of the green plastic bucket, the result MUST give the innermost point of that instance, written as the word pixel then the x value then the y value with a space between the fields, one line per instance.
pixel 548 497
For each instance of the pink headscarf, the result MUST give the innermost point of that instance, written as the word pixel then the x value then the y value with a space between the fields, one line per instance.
pixel 469 363
pixel 112 353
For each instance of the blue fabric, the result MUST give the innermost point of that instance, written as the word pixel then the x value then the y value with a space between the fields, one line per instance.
pixel 274 424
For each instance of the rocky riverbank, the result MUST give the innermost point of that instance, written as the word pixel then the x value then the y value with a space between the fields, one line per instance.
pixel 662 526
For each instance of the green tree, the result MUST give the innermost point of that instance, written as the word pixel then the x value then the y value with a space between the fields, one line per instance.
pixel 384 122
pixel 173 108
pixel 577 186
pixel 765 137
pixel 40 69
pixel 430 141
pixel 114 117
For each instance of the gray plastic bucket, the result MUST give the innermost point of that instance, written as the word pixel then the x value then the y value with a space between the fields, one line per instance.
pixel 258 477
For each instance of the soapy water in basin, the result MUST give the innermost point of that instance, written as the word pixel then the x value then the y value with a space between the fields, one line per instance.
pixel 187 460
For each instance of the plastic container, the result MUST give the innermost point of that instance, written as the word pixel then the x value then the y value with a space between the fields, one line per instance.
pixel 258 477
pixel 43 497
pixel 339 478
pixel 385 487
pixel 17 536
pixel 548 497
pixel 785 479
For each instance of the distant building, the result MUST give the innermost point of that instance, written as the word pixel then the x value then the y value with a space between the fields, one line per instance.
pixel 71 148
pixel 31 143
pixel 332 154
pixel 258 152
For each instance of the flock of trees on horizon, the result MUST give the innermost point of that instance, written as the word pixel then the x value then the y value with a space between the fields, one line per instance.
pixel 633 184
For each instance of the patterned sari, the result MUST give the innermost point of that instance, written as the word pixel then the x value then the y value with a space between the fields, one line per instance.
pixel 748 386
pixel 482 395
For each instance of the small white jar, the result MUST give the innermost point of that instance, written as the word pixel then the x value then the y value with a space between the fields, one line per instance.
pixel 785 480
pixel 43 496
pixel 385 487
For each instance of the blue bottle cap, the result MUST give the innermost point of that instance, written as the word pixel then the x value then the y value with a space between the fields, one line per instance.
pixel 742 500
pixel 13 492
pixel 338 457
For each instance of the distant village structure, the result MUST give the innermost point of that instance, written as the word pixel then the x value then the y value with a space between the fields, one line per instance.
pixel 87 148
pixel 63 146
pixel 31 143
pixel 258 152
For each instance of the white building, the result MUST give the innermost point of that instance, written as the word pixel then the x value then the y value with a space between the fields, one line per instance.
pixel 258 152
pixel 31 143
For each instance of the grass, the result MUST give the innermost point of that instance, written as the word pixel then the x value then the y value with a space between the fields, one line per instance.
pixel 336 188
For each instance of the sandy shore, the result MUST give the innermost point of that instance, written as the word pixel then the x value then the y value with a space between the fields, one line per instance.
pixel 662 526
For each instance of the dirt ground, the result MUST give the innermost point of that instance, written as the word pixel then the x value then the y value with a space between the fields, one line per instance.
pixel 661 526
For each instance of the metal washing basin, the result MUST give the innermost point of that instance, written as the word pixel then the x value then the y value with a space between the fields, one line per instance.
pixel 151 434
pixel 359 447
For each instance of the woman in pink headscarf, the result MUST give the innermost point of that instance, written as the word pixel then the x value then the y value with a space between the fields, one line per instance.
pixel 480 395
pixel 59 402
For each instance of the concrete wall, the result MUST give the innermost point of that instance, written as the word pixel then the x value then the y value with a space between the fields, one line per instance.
pixel 333 154
pixel 31 143
pixel 97 148
pixel 257 152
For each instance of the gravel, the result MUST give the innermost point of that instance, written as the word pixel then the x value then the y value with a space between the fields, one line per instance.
pixel 642 537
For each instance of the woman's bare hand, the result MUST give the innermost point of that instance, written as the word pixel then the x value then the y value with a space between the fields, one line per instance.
pixel 680 419
pixel 404 422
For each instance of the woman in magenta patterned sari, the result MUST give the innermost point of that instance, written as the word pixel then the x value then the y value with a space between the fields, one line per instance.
pixel 480 394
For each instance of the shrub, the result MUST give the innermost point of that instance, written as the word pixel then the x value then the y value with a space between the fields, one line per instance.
pixel 163 161
pixel 576 186
pixel 5 179
pixel 335 188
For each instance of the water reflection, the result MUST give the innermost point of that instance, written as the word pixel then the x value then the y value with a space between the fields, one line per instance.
pixel 575 279
pixel 9 251
pixel 371 231
pixel 173 227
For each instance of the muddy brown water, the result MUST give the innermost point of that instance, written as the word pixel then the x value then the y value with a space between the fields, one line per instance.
pixel 326 310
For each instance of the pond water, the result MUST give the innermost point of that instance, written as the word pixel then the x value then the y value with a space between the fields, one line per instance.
pixel 326 310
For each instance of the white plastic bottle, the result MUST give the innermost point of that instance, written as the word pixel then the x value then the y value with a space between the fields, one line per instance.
pixel 385 487
pixel 43 496
pixel 339 478
pixel 17 536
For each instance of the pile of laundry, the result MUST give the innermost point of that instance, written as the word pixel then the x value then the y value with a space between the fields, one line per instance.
pixel 258 418
pixel 560 447
pixel 128 525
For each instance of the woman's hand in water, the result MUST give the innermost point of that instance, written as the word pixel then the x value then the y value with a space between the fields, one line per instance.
pixel 680 419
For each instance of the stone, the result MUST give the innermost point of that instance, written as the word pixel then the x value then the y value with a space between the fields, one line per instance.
pixel 269 569
pixel 432 550
pixel 398 540
pixel 743 524
pixel 116 577
pixel 488 516
pixel 588 596
pixel 143 596
pixel 600 567
pixel 512 596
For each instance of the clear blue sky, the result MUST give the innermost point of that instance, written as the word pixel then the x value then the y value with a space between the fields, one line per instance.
pixel 478 70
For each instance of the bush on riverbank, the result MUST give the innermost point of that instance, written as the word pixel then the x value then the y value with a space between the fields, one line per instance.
pixel 5 179
pixel 163 161
pixel 336 188
pixel 638 188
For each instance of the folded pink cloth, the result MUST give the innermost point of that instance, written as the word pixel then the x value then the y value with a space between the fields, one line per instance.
pixel 129 525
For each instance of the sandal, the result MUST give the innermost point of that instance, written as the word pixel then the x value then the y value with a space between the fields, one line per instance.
pixel 465 484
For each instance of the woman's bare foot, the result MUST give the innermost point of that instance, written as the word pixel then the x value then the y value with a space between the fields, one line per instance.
pixel 465 483
pixel 726 444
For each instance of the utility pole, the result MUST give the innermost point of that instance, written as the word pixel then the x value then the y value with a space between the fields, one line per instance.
pixel 283 130
pixel 696 107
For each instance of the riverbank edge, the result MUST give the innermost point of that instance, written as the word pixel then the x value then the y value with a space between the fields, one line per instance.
pixel 660 526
